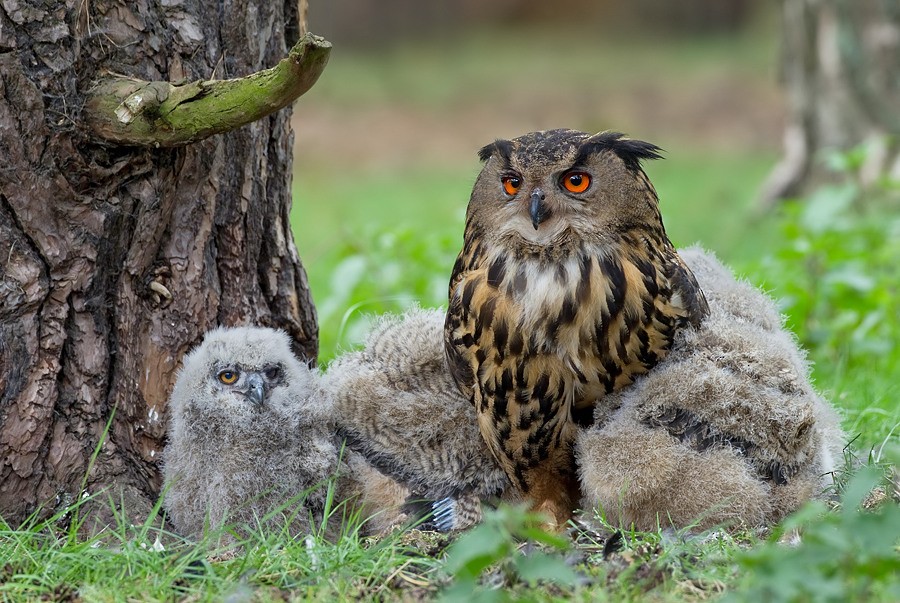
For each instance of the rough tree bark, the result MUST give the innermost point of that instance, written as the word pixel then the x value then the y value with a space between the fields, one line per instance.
pixel 115 259
pixel 840 60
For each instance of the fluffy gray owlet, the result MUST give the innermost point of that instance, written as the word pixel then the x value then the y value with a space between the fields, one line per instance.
pixel 727 430
pixel 396 404
pixel 248 437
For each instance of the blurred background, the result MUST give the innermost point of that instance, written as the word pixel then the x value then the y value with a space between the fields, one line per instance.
pixel 386 143
pixel 386 140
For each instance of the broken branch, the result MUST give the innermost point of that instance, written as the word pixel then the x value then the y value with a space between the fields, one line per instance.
pixel 161 114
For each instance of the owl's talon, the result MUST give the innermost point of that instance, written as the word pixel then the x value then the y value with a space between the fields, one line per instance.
pixel 444 514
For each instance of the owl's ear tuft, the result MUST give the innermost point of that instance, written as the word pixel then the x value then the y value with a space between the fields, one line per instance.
pixel 501 147
pixel 629 150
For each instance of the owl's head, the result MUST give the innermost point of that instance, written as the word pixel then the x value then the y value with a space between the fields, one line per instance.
pixel 242 371
pixel 549 186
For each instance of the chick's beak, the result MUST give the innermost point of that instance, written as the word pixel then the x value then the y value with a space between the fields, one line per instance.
pixel 538 208
pixel 256 388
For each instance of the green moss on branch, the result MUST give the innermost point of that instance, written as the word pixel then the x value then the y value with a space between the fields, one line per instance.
pixel 161 114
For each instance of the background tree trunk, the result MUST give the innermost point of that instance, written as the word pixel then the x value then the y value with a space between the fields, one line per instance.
pixel 115 260
pixel 840 65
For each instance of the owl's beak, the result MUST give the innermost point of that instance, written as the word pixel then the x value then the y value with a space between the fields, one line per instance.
pixel 256 388
pixel 538 208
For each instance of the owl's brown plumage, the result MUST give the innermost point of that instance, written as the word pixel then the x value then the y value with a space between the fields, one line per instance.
pixel 566 289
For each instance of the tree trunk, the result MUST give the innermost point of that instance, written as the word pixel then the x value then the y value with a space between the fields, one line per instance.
pixel 114 260
pixel 840 60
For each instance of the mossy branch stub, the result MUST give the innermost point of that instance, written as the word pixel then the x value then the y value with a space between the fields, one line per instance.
pixel 161 114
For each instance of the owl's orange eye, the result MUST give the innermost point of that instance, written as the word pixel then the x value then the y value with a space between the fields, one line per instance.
pixel 228 377
pixel 511 184
pixel 576 182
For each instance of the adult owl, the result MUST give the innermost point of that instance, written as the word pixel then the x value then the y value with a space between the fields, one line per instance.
pixel 566 289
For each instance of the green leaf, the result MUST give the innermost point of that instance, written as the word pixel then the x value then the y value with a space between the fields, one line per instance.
pixel 858 488
pixel 851 275
pixel 801 518
pixel 542 536
pixel 538 567
pixel 469 592
pixel 347 274
pixel 475 551
pixel 826 206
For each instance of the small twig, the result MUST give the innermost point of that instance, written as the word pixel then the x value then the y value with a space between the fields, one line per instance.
pixel 159 288
pixel 303 16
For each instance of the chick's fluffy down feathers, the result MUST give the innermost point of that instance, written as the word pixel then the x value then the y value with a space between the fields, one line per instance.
pixel 395 402
pixel 727 429
pixel 229 460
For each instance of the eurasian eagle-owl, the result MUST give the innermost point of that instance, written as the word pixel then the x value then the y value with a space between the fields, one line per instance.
pixel 566 289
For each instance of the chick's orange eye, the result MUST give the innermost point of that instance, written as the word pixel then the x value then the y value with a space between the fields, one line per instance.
pixel 576 182
pixel 511 184
pixel 228 377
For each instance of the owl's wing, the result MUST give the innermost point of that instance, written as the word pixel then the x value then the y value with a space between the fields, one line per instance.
pixel 460 369
pixel 684 283
pixel 458 326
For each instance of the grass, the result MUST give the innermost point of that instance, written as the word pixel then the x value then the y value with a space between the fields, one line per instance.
pixel 845 555
pixel 41 561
